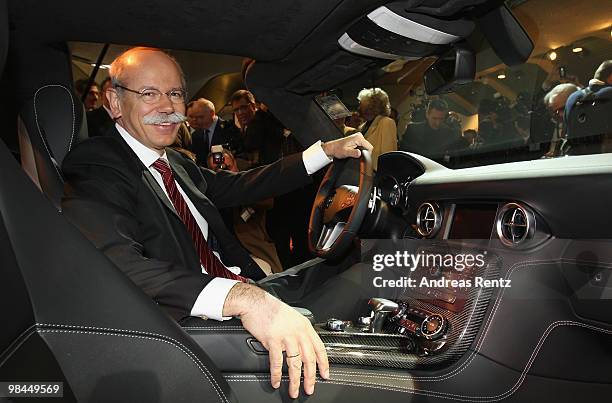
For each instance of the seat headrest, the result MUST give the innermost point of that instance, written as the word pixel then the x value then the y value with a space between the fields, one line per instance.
pixel 55 115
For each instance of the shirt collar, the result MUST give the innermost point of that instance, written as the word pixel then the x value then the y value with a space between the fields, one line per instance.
pixel 144 153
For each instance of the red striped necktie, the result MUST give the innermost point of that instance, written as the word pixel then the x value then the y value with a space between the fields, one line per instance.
pixel 211 263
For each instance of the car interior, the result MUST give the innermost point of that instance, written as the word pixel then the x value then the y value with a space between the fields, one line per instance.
pixel 70 315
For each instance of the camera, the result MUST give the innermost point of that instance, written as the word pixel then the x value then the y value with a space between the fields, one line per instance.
pixel 218 158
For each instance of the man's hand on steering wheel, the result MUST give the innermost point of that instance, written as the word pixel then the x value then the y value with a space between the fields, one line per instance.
pixel 339 208
pixel 347 146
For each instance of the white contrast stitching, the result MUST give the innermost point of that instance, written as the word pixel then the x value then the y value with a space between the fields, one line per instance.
pixel 446 395
pixel 233 328
pixel 38 124
pixel 138 334
pixel 457 370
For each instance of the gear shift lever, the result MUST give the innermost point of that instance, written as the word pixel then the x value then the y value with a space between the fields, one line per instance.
pixel 381 308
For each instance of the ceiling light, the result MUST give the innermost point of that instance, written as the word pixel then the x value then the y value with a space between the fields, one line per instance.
pixel 501 76
pixel 102 66
pixel 552 55
pixel 577 49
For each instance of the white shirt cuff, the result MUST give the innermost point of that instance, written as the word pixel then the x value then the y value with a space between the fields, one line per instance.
pixel 209 303
pixel 315 158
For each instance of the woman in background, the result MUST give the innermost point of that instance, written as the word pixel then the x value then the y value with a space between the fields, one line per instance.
pixel 379 129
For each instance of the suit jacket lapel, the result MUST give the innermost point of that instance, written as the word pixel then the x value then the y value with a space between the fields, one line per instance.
pixel 197 197
pixel 148 176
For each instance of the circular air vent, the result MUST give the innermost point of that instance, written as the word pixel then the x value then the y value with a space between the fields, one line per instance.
pixel 429 219
pixel 515 224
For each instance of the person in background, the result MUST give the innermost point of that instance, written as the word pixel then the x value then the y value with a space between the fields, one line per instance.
pixel 432 138
pixel 354 120
pixel 379 129
pixel 555 102
pixel 100 120
pixel 182 143
pixel 249 222
pixel 93 94
pixel 394 115
pixel 208 129
pixel 266 140
pixel 471 138
pixel 599 93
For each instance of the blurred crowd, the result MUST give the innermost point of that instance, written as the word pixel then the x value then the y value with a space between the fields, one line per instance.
pixel 275 231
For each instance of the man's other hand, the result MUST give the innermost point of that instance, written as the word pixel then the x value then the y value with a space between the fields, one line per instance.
pixel 346 146
pixel 280 328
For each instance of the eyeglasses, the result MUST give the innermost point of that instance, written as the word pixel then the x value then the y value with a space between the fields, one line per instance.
pixel 153 95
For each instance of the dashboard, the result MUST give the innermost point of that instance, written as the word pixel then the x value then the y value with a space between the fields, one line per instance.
pixel 524 215
pixel 451 215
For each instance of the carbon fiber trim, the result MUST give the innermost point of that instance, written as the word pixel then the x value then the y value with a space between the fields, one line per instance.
pixel 397 351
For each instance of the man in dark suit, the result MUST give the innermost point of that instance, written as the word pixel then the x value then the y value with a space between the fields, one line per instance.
pixel 432 138
pixel 209 129
pixel 154 214
pixel 99 120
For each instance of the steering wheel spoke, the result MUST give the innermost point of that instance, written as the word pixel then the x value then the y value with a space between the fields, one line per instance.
pixel 339 210
pixel 329 235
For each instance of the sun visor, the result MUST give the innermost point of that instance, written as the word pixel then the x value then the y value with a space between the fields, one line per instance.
pixel 392 32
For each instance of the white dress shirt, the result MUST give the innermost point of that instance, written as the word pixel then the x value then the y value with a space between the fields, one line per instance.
pixel 209 304
pixel 211 131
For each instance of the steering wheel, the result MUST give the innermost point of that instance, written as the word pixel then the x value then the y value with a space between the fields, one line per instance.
pixel 338 211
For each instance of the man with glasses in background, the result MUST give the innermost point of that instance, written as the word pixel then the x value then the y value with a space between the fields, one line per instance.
pixel 151 212
pixel 555 103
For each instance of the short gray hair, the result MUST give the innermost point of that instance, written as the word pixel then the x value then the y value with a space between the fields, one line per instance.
pixel 118 65
pixel 566 89
pixel 208 104
pixel 377 99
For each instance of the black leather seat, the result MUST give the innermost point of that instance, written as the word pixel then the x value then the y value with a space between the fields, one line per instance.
pixel 49 127
pixel 67 313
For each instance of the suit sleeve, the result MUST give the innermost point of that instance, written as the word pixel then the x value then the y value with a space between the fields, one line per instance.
pixel 227 189
pixel 100 201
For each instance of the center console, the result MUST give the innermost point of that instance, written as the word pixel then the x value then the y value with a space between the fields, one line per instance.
pixel 424 328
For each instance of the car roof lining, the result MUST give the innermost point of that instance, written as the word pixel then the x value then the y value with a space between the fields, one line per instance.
pixel 267 31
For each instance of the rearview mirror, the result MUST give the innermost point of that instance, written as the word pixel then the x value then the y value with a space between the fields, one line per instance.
pixel 456 67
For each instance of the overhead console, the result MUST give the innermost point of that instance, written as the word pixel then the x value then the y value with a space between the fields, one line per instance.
pixel 393 32
pixel 413 29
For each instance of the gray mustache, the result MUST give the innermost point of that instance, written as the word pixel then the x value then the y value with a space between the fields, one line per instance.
pixel 175 117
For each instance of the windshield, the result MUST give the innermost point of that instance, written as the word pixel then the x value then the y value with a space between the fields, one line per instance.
pixel 508 113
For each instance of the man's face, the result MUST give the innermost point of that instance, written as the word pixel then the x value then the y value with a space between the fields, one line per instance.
pixel 435 118
pixel 148 70
pixel 557 106
pixel 244 110
pixel 91 100
pixel 200 117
